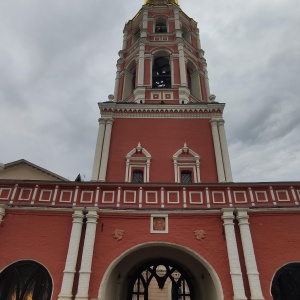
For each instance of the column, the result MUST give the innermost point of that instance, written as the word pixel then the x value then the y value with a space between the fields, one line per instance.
pixel 2 212
pixel 225 153
pixel 182 66
pixel 70 266
pixel 117 82
pixel 125 36
pixel 141 65
pixel 98 151
pixel 198 39
pixel 218 154
pixel 105 150
pixel 87 254
pixel 206 81
pixel 249 255
pixel 233 256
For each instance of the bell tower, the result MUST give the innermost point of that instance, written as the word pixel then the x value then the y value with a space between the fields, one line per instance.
pixel 162 124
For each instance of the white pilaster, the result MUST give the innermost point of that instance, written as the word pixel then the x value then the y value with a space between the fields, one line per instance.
pixel 98 151
pixel 117 82
pixel 249 255
pixel 182 66
pixel 70 266
pixel 125 36
pixel 2 212
pixel 233 256
pixel 87 254
pixel 218 153
pixel 141 65
pixel 206 82
pixel 105 151
pixel 225 153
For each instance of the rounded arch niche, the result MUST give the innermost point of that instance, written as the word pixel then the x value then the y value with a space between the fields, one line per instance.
pixel 204 280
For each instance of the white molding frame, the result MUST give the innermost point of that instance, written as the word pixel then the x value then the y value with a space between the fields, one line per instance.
pixel 286 193
pixel 104 193
pixel 261 192
pixel 125 195
pixel 86 192
pixel 240 201
pixel 186 163
pixel 41 199
pixel 168 197
pixel 165 216
pixel 61 195
pixel 223 197
pixel 196 193
pixel 156 197
pixel 21 194
pixel 5 189
pixel 138 163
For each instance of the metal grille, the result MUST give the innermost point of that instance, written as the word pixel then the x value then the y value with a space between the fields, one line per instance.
pixel 137 176
pixel 152 278
pixel 186 177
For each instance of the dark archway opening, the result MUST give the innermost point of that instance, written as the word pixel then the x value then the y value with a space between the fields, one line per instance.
pixel 161 279
pixel 286 283
pixel 25 280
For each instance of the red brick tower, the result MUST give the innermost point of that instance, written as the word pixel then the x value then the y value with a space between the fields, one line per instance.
pixel 162 124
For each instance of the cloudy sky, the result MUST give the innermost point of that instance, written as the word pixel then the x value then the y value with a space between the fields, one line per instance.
pixel 58 57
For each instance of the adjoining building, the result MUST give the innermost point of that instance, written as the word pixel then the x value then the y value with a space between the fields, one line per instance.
pixel 161 218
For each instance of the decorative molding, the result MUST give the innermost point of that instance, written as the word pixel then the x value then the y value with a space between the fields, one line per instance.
pixel 200 234
pixel 118 234
pixel 159 223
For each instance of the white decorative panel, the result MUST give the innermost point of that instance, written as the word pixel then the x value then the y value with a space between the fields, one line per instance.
pixel 151 197
pixel 283 196
pixel 240 197
pixel 195 197
pixel 298 192
pixel 261 196
pixel 172 197
pixel 108 197
pixel 129 197
pixel 218 197
pixel 25 194
pixel 66 196
pixel 45 195
pixel 5 193
pixel 86 197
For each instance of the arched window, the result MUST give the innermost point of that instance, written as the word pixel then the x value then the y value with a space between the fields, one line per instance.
pixel 186 165
pixel 161 25
pixel 286 283
pixel 160 279
pixel 138 165
pixel 25 280
pixel 161 72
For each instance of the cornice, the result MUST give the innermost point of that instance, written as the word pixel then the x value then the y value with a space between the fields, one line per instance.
pixel 190 111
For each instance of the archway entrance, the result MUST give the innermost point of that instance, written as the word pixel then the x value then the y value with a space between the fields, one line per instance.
pixel 170 271
pixel 286 283
pixel 160 279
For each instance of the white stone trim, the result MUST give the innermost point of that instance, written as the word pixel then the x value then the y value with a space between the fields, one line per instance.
pixel 91 193
pixel 2 212
pixel 133 162
pixel 127 192
pixel 165 216
pixel 70 192
pixel 104 193
pixel 257 193
pixel 169 201
pixel 188 163
pixel 218 193
pixel 245 200
pixel 249 255
pixel 233 256
pixel 287 199
pixel 71 260
pixel 8 195
pixel 196 193
pixel 41 199
pixel 22 192
pixel 147 197
pixel 87 254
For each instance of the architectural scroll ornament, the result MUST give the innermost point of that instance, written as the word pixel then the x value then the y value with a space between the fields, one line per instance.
pixel 118 234
pixel 200 234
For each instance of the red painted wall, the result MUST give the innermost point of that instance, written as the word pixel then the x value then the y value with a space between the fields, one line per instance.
pixel 162 138
pixel 41 236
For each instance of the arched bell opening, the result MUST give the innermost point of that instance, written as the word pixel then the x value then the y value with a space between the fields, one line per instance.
pixel 196 277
